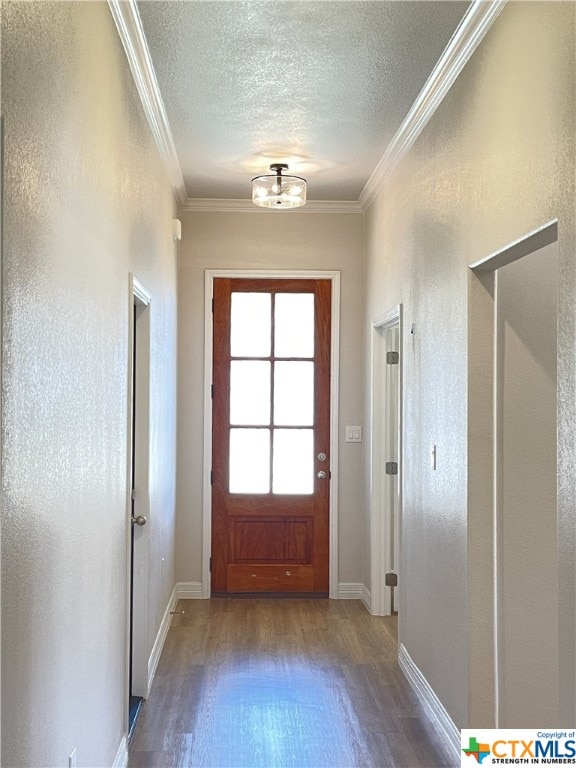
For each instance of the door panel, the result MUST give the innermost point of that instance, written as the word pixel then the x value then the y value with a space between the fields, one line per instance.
pixel 270 578
pixel 256 540
pixel 271 420
pixel 269 540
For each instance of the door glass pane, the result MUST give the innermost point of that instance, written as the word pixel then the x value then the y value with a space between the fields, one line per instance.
pixel 249 461
pixel 249 392
pixel 294 393
pixel 293 470
pixel 294 325
pixel 250 325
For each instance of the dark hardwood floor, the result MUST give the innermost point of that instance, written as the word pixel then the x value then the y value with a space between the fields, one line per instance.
pixel 281 683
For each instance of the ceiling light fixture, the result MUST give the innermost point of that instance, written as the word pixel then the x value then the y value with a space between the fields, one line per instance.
pixel 274 190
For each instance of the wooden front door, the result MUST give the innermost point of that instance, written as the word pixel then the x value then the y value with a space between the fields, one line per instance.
pixel 271 436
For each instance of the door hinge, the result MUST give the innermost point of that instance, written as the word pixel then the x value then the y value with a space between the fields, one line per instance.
pixel 392 358
pixel 132 494
pixel 210 565
pixel 391 579
pixel 212 392
pixel 391 467
pixel 211 477
pixel 212 306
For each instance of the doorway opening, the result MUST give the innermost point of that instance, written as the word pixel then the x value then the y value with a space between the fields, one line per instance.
pixel 386 464
pixel 512 488
pixel 138 499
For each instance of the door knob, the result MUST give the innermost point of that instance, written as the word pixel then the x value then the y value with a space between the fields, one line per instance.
pixel 321 475
pixel 140 520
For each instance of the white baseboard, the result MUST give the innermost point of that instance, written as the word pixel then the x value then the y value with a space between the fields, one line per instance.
pixel 189 590
pixel 350 591
pixel 192 590
pixel 431 702
pixel 121 759
pixel 160 639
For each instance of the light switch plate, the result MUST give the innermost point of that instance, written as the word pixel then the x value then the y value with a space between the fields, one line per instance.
pixel 353 434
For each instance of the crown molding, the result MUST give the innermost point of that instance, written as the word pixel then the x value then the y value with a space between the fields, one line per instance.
pixel 470 32
pixel 214 205
pixel 129 25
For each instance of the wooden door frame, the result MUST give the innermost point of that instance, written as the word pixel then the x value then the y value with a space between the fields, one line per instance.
pixel 380 512
pixel 137 296
pixel 210 276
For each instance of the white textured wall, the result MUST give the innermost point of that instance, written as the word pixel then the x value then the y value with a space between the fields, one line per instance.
pixel 527 466
pixel 85 203
pixel 267 240
pixel 496 161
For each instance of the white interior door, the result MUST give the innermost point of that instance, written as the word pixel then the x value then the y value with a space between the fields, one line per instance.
pixel 386 465
pixel 139 506
pixel 392 480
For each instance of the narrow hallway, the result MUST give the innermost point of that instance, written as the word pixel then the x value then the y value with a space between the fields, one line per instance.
pixel 280 682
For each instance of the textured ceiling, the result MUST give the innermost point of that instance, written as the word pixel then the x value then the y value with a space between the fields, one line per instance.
pixel 321 84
